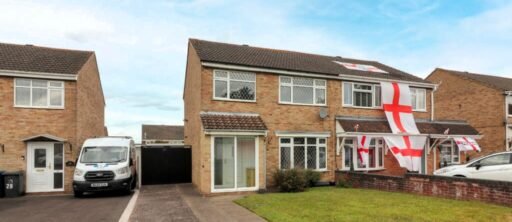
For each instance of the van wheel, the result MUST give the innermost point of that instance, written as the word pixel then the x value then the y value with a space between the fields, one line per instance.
pixel 78 194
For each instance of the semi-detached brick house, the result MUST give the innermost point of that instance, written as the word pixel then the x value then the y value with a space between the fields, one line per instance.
pixel 485 101
pixel 51 100
pixel 251 110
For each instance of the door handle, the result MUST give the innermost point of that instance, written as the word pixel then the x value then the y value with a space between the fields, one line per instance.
pixel 50 165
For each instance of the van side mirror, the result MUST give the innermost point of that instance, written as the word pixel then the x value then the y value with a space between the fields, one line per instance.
pixel 131 162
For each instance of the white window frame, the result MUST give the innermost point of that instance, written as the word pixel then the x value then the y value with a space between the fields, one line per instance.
pixel 314 86
pixel 235 144
pixel 292 147
pixel 372 91
pixel 48 88
pixel 354 159
pixel 228 80
pixel 453 147
pixel 414 92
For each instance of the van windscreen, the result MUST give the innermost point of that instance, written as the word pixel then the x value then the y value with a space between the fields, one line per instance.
pixel 104 154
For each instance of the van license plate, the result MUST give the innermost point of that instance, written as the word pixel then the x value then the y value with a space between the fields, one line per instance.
pixel 99 184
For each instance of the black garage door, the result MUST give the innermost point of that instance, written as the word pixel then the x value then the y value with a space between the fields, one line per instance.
pixel 165 165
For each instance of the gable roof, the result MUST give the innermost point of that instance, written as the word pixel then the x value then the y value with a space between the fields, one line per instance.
pixel 29 58
pixel 258 57
pixel 162 132
pixel 497 82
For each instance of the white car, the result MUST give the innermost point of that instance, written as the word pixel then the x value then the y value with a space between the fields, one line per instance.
pixel 497 166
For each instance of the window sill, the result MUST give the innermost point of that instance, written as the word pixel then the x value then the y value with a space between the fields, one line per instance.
pixel 234 100
pixel 302 104
pixel 38 107
pixel 364 170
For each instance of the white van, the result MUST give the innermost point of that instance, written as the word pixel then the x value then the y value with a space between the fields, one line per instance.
pixel 105 164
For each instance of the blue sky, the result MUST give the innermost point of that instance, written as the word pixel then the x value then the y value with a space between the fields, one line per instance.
pixel 141 45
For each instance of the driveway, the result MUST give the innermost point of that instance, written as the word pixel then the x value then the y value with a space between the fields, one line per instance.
pixel 182 203
pixel 96 207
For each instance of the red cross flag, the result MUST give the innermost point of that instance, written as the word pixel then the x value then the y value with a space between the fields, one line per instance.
pixel 396 102
pixel 407 150
pixel 466 144
pixel 363 148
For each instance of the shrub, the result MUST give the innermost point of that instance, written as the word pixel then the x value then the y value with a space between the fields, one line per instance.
pixel 343 183
pixel 312 177
pixel 290 180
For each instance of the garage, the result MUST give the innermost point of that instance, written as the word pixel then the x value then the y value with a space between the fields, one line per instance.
pixel 163 157
pixel 166 165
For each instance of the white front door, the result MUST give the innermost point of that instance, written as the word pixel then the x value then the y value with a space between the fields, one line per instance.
pixel 45 167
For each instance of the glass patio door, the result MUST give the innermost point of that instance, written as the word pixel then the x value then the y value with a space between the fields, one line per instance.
pixel 234 163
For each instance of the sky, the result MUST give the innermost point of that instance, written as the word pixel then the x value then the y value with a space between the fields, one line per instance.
pixel 141 46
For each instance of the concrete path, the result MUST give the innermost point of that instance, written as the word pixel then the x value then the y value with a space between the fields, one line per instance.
pixel 182 203
pixel 96 207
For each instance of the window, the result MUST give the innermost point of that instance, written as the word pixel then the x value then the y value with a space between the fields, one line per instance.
pixel 234 85
pixel 361 95
pixel 375 155
pixel 303 153
pixel 509 109
pixel 234 163
pixel 369 96
pixel 449 152
pixel 38 93
pixel 499 159
pixel 297 90
pixel 418 99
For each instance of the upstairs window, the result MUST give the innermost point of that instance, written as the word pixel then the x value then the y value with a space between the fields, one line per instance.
pixel 38 93
pixel 510 109
pixel 366 95
pixel 418 99
pixel 234 85
pixel 302 91
pixel 361 95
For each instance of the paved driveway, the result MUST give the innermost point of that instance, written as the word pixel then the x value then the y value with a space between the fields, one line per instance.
pixel 182 203
pixel 98 207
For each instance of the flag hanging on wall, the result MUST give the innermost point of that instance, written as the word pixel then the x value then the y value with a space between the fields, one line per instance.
pixel 408 150
pixel 363 148
pixel 466 144
pixel 396 102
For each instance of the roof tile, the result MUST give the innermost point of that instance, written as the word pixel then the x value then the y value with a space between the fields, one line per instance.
pixel 232 122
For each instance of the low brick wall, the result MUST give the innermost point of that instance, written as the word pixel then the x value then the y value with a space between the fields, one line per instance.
pixel 496 192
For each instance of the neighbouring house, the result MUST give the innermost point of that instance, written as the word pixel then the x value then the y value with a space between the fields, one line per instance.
pixel 250 111
pixel 162 135
pixel 51 100
pixel 485 101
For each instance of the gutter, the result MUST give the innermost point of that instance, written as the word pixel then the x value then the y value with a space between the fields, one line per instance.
pixel 317 75
pixel 39 75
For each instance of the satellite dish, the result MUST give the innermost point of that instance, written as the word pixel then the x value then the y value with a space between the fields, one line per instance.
pixel 323 112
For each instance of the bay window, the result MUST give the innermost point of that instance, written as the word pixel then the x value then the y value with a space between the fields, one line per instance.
pixel 303 153
pixel 298 90
pixel 234 85
pixel 351 156
pixel 36 93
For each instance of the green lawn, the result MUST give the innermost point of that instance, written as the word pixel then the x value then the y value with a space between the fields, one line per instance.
pixel 337 204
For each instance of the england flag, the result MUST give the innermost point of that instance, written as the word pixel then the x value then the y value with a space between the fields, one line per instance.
pixel 408 150
pixel 396 102
pixel 363 148
pixel 467 144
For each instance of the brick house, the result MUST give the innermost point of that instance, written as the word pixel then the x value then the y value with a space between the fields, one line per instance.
pixel 251 110
pixel 162 135
pixel 51 100
pixel 484 101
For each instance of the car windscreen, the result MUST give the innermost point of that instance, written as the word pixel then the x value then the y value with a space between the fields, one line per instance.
pixel 104 154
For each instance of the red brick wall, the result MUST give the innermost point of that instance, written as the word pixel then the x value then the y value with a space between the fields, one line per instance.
pixel 496 192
